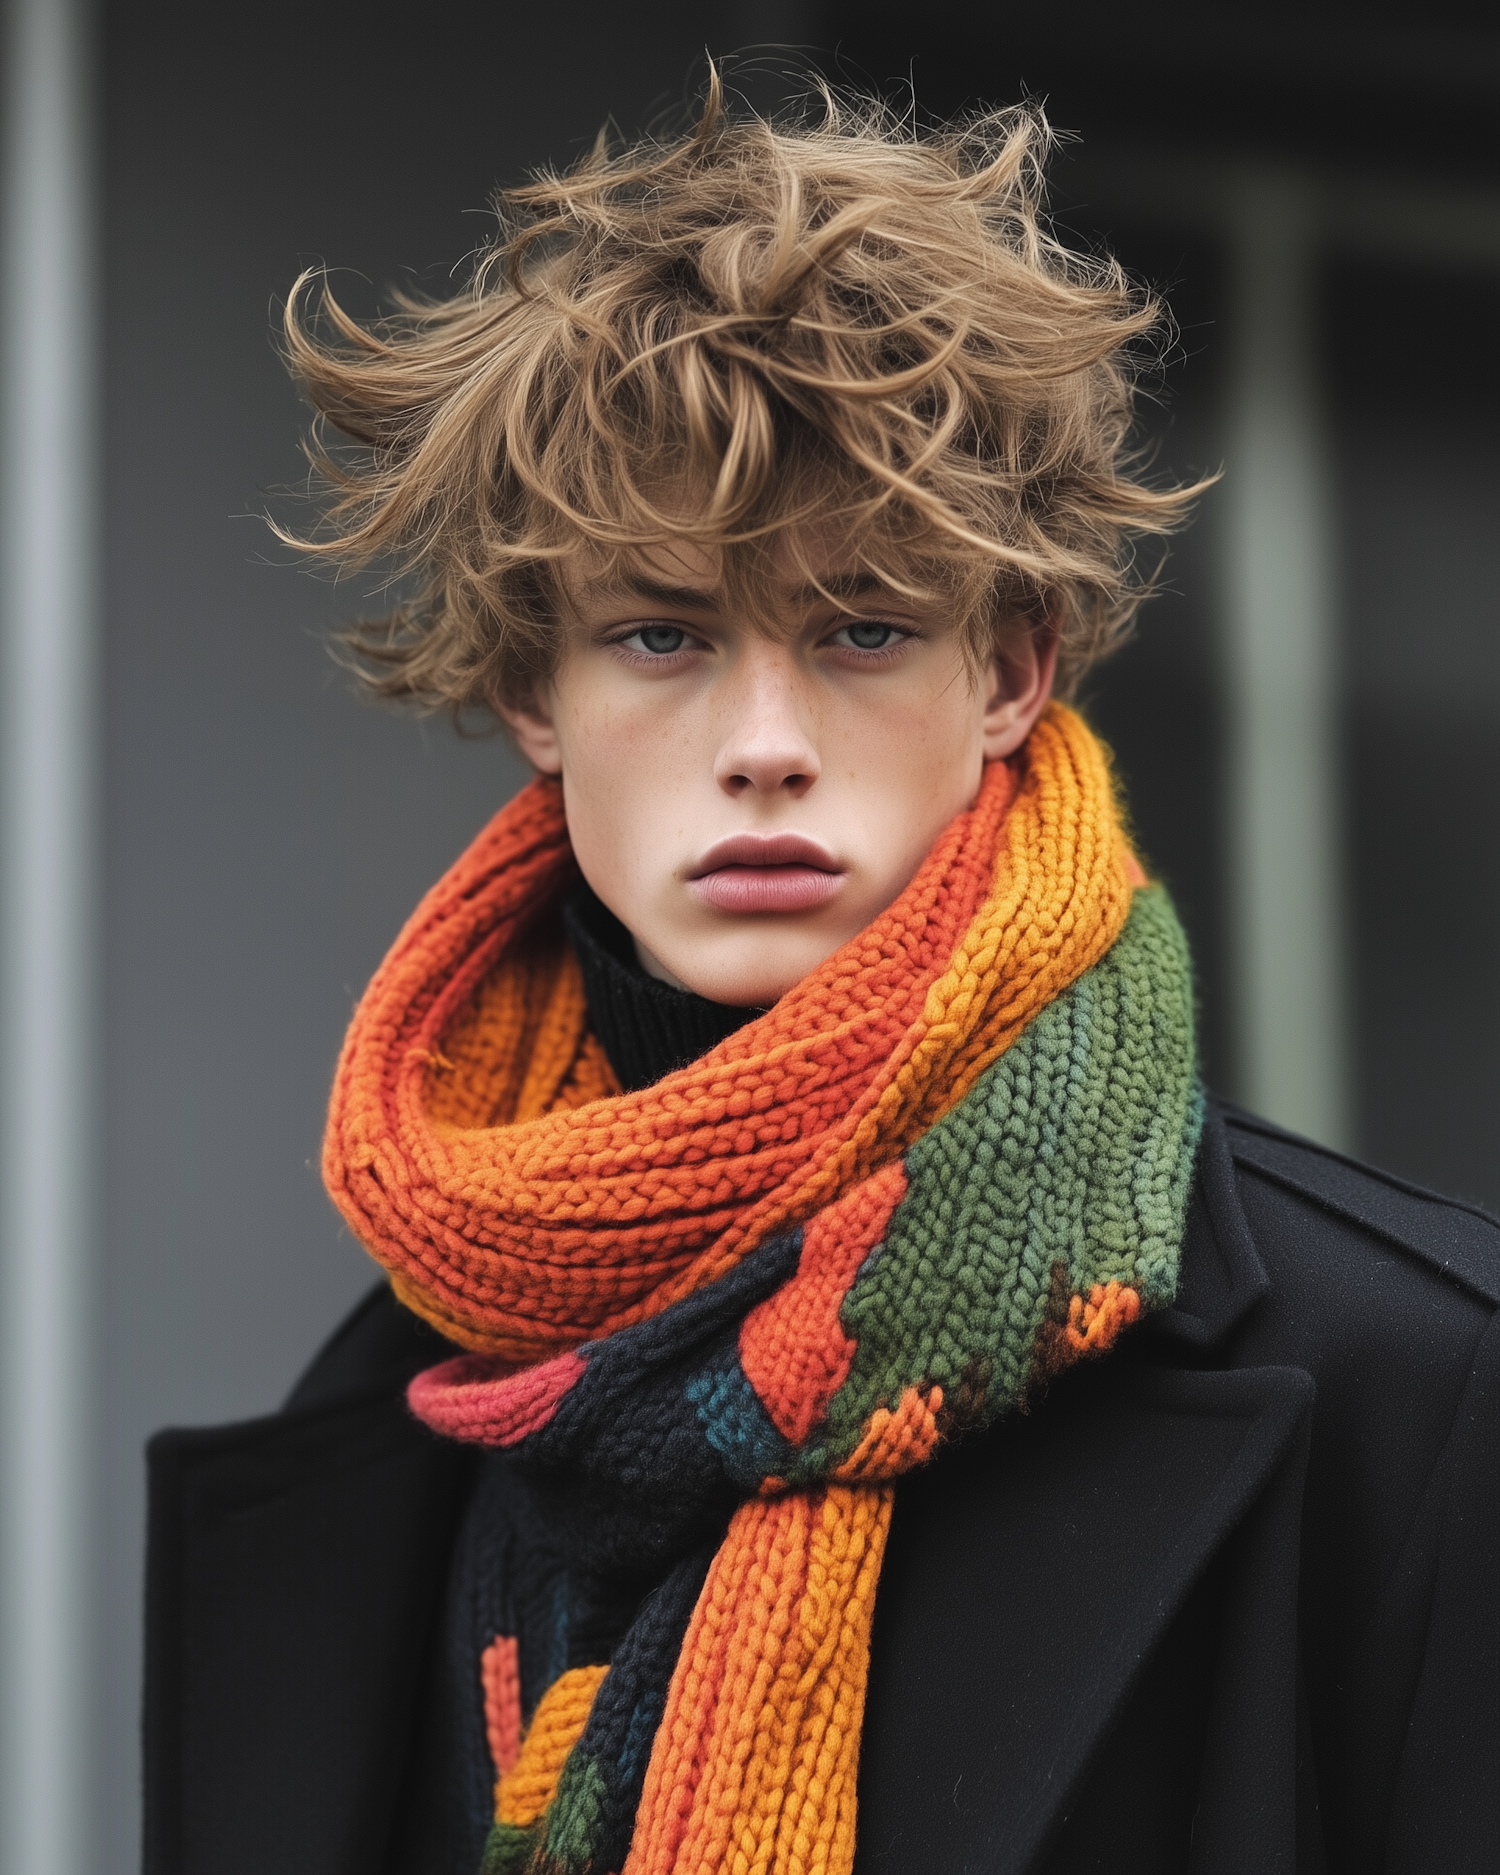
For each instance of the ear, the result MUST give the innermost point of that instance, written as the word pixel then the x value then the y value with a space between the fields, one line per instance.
pixel 534 729
pixel 1020 680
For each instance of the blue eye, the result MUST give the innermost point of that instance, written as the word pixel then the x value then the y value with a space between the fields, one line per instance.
pixel 869 635
pixel 663 640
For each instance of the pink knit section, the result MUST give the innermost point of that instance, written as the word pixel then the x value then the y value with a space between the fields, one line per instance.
pixel 500 1673
pixel 475 1398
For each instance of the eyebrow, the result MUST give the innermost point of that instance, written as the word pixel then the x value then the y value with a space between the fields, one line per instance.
pixel 662 594
pixel 842 586
pixel 835 586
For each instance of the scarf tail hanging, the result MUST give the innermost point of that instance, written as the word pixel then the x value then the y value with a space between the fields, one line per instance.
pixel 758 1748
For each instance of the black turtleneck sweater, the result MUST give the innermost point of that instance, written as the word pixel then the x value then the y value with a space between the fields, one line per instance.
pixel 646 1027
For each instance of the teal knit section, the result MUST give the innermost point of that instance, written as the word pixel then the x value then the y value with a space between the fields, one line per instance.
pixel 738 1427
pixel 1075 1149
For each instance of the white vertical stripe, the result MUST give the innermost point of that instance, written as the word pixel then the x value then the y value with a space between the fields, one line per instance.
pixel 47 770
pixel 1284 844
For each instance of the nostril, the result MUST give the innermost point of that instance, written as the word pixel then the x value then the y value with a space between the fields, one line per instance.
pixel 795 782
pixel 764 774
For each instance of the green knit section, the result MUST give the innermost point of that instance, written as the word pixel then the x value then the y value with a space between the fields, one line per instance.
pixel 573 1816
pixel 508 1849
pixel 1075 1148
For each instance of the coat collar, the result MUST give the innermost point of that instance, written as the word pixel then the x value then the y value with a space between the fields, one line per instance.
pixel 1222 1275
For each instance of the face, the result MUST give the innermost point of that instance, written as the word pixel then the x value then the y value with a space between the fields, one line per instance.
pixel 746 804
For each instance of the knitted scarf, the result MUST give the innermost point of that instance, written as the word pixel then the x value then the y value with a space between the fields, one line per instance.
pixel 732 1308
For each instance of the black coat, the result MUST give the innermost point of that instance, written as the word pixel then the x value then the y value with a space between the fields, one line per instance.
pixel 1225 1602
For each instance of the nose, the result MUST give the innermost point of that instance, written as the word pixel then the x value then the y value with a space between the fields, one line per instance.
pixel 769 746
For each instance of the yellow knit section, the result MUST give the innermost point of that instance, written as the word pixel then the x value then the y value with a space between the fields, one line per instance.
pixel 556 1727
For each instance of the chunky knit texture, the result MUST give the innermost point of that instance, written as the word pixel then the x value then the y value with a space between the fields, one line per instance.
pixel 736 1306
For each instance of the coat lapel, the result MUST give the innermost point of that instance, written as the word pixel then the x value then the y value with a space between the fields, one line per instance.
pixel 296 1567
pixel 1032 1573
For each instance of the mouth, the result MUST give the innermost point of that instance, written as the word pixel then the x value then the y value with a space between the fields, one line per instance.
pixel 773 872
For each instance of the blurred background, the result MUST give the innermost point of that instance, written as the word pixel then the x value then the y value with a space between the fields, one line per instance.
pixel 209 842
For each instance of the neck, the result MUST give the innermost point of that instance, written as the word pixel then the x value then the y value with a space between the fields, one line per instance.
pixel 646 1026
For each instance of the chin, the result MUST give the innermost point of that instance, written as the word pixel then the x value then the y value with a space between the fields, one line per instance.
pixel 750 982
pixel 742 992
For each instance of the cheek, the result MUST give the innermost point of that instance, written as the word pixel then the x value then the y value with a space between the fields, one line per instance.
pixel 926 750
pixel 620 779
pixel 911 771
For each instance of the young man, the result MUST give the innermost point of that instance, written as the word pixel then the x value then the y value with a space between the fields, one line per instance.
pixel 843 1399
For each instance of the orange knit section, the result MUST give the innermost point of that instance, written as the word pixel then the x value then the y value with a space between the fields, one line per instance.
pixel 523 1047
pixel 792 1346
pixel 896 1441
pixel 556 1727
pixel 530 1234
pixel 755 1760
pixel 1095 1325
pixel 500 1675
pixel 1074 1327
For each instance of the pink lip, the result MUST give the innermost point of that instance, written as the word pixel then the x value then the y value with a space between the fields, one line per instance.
pixel 766 872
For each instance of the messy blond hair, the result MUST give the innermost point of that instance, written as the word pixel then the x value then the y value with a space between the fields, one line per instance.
pixel 744 337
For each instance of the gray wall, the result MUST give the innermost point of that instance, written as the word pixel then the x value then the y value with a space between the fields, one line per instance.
pixel 1415 388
